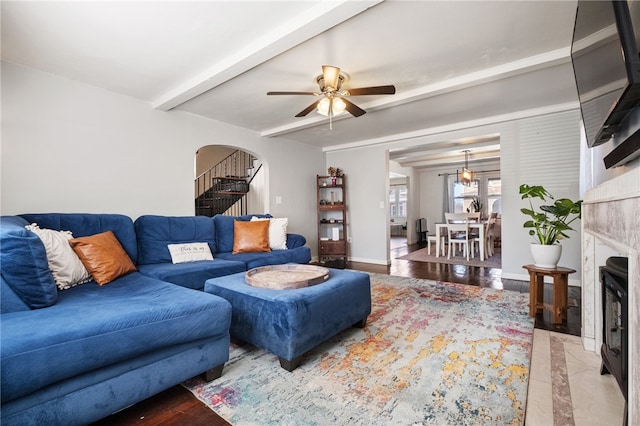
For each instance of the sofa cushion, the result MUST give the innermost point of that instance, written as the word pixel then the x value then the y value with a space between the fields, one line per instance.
pixel 65 266
pixel 295 240
pixel 92 327
pixel 250 237
pixel 275 257
pixel 224 230
pixel 9 300
pixel 103 256
pixel 192 274
pixel 24 264
pixel 84 224
pixel 155 233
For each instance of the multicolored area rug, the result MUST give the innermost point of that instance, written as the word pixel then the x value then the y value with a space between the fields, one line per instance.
pixel 432 353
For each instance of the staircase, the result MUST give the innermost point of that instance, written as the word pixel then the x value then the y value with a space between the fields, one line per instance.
pixel 223 188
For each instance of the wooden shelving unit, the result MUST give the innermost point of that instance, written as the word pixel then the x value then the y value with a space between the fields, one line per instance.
pixel 332 220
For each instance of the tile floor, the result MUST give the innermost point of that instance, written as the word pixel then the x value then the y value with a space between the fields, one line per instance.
pixel 565 385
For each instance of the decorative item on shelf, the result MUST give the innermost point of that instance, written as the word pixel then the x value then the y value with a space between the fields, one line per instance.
pixel 467 175
pixel 335 173
pixel 548 226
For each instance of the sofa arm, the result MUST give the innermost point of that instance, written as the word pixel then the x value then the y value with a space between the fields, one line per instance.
pixel 295 240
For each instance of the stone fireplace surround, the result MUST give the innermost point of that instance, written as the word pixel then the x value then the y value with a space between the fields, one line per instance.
pixel 611 227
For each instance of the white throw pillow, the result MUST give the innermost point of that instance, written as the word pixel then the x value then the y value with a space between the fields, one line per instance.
pixel 65 265
pixel 189 252
pixel 277 232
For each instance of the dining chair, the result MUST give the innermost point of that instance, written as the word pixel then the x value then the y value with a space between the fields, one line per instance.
pixel 475 217
pixel 458 236
pixel 456 217
pixel 490 234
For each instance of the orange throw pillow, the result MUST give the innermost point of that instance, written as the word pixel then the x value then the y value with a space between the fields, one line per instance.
pixel 250 236
pixel 103 256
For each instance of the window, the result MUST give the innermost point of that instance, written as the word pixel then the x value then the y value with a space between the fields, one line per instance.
pixel 398 201
pixel 487 187
pixel 494 195
pixel 463 196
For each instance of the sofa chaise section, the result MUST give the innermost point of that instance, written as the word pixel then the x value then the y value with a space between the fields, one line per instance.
pixel 131 324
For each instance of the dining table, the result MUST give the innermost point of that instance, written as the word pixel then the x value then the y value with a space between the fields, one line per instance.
pixel 441 229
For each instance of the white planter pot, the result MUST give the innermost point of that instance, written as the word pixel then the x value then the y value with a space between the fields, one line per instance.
pixel 546 256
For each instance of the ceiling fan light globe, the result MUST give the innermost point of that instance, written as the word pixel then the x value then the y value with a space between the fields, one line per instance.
pixel 323 106
pixel 338 106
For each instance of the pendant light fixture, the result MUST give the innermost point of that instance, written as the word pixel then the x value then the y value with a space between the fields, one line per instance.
pixel 467 175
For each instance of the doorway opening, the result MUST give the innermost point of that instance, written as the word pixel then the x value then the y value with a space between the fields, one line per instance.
pixel 227 181
pixel 398 203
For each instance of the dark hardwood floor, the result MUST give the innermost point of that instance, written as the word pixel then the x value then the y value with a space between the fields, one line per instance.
pixel 177 406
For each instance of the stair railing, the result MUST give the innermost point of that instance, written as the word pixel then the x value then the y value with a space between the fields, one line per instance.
pixel 209 202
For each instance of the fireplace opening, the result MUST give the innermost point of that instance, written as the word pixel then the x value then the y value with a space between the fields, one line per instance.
pixel 614 277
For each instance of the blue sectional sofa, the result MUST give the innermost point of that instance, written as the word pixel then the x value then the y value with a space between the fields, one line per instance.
pixel 76 355
pixel 155 232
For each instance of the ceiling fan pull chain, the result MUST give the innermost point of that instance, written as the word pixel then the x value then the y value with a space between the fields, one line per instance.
pixel 331 114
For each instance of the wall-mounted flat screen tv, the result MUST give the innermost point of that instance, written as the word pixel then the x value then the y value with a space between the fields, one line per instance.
pixel 606 64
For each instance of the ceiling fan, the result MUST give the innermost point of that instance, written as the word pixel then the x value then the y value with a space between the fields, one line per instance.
pixel 333 98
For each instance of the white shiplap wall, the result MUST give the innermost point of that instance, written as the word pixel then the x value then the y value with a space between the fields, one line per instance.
pixel 542 150
pixel 550 153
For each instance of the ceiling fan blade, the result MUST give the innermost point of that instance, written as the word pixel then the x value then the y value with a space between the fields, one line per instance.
pixel 375 90
pixel 308 109
pixel 291 93
pixel 331 75
pixel 353 109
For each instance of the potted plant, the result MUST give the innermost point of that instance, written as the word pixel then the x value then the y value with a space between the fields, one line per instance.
pixel 549 224
pixel 475 206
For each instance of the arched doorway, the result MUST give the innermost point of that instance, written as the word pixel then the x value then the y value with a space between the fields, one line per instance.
pixel 228 181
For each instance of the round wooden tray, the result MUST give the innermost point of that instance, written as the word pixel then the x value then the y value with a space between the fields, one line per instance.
pixel 286 277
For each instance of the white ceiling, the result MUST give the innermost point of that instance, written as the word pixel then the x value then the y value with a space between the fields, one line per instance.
pixel 451 61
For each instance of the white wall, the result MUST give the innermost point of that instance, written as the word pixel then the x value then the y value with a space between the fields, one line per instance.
pixel 70 147
pixel 367 195
pixel 540 150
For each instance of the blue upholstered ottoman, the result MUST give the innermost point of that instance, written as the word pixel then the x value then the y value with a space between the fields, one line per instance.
pixel 288 323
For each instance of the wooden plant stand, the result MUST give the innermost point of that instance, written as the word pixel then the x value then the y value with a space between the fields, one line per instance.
pixel 560 276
